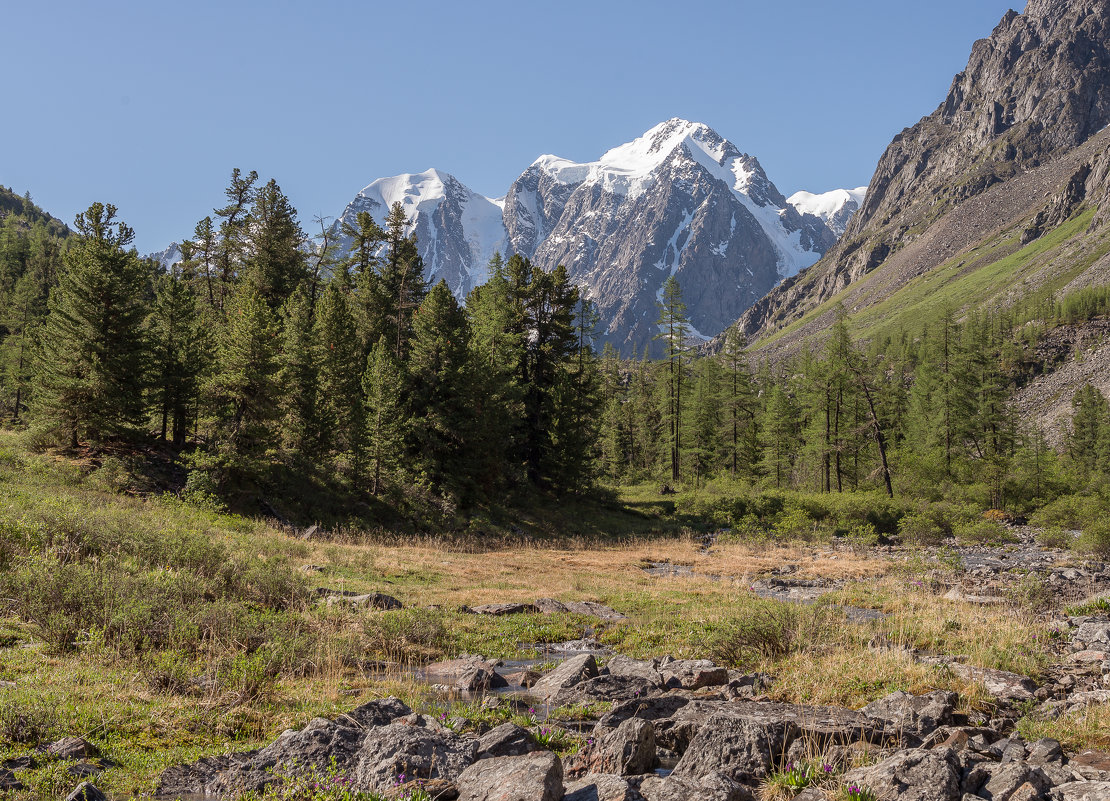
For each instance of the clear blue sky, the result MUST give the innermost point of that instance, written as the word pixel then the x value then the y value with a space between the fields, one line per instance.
pixel 149 104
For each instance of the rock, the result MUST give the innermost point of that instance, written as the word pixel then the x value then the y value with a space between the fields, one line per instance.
pixel 498 610
pixel 523 678
pixel 593 609
pixel 915 716
pixel 508 739
pixel 1094 760
pixel 621 665
pixel 470 674
pixel 712 787
pixel 86 791
pixel 375 713
pixel 691 674
pixel 413 751
pixel 1087 657
pixel 739 747
pixel 1096 634
pixel 8 781
pixel 1001 684
pixel 1082 791
pixel 72 748
pixel 534 777
pixel 600 787
pixel 1045 751
pixel 549 606
pixel 955 594
pixel 628 750
pixel 83 770
pixel 1007 779
pixel 913 775
pixel 571 672
pixel 21 762
pixel 372 600
pixel 1077 701
pixel 604 688
pixel 653 708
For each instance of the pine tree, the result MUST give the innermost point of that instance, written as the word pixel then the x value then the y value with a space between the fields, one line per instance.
pixel 301 426
pixel 674 331
pixel 243 389
pixel 703 420
pixel 741 407
pixel 780 428
pixel 383 384
pixel 275 265
pixel 90 376
pixel 439 388
pixel 229 245
pixel 340 404
pixel 178 355
pixel 398 289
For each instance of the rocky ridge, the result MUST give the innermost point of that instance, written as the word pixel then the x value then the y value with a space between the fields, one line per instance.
pixel 1020 122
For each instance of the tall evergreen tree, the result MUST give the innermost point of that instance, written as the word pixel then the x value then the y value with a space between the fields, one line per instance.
pixel 383 385
pixel 90 377
pixel 275 264
pixel 178 355
pixel 299 377
pixel 674 331
pixel 340 404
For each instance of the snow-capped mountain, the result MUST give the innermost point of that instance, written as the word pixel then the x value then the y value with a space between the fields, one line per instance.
pixel 457 230
pixel 167 258
pixel 680 200
pixel 835 208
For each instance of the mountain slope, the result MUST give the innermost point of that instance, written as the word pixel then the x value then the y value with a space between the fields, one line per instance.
pixel 679 200
pixel 1013 152
pixel 457 230
pixel 836 208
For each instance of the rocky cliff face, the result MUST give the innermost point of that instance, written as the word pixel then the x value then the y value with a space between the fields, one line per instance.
pixel 680 200
pixel 457 230
pixel 1033 91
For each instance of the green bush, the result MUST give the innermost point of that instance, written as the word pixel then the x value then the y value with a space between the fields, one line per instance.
pixel 30 720
pixel 983 532
pixel 1095 539
pixel 1070 512
pixel 921 529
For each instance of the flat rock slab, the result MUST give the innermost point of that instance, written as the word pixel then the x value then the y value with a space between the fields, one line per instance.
pixel 370 600
pixel 497 610
pixel 693 674
pixel 534 777
pixel 1001 684
pixel 1082 791
pixel 72 748
pixel 600 787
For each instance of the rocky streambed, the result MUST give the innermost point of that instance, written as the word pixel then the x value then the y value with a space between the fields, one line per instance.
pixel 674 729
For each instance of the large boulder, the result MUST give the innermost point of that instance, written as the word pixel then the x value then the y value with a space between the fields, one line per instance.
pixel 711 787
pixel 915 716
pixel 534 777
pixel 468 673
pixel 692 674
pixel 743 749
pixel 72 748
pixel 1082 791
pixel 396 750
pixel 508 739
pixel 607 688
pixel 628 750
pixel 600 787
pixel 621 665
pixel 913 775
pixel 571 672
pixel 375 713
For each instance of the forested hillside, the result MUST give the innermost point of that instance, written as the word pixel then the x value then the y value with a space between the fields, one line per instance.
pixel 277 367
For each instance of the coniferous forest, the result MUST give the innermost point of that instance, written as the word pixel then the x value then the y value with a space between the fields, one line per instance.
pixel 268 363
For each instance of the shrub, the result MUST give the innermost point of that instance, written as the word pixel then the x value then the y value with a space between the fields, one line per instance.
pixel 30 721
pixel 772 631
pixel 1095 539
pixel 983 532
pixel 920 529
pixel 1055 537
pixel 1069 512
pixel 406 635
